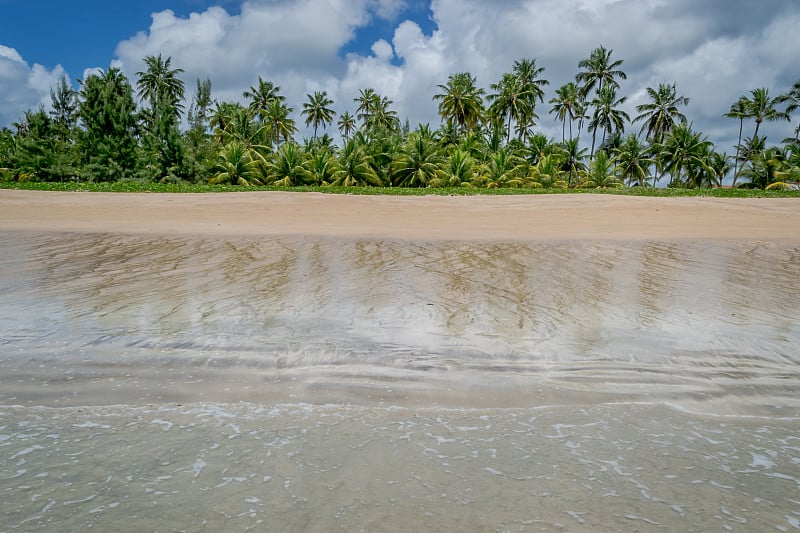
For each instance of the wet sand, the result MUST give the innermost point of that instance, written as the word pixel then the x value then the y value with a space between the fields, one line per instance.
pixel 505 218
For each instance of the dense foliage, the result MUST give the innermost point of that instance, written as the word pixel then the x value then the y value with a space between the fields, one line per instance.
pixel 486 139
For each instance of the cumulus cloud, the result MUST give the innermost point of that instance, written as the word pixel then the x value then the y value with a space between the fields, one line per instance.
pixel 23 86
pixel 714 51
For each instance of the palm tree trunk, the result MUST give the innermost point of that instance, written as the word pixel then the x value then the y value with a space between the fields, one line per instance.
pixel 738 148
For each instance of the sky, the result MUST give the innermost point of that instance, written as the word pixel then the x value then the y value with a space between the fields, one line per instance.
pixel 713 50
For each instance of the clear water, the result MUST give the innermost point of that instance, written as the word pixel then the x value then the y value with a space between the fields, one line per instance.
pixel 188 383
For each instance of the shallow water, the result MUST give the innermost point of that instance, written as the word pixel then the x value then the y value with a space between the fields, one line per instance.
pixel 312 384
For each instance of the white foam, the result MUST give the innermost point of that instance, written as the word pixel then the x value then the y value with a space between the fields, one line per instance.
pixel 761 461
pixel 166 423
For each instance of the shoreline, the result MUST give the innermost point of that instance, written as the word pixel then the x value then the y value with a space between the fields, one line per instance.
pixel 458 218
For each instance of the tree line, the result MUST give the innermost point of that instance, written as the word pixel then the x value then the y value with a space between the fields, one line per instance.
pixel 112 129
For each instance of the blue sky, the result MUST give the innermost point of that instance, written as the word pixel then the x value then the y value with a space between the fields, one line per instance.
pixel 713 50
pixel 88 36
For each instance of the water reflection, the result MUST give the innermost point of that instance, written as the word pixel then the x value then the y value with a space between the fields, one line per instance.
pixel 710 324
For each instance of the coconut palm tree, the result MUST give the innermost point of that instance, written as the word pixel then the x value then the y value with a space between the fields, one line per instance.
pixel 235 166
pixel 287 168
pixel 548 172
pixel 567 106
pixel 529 74
pixel 502 167
pixel 160 85
pixel 321 166
pixel 261 97
pixel 600 174
pixel 383 117
pixel 720 164
pixel 317 110
pixel 792 98
pixel 633 161
pixel 765 168
pixel 661 113
pixel 278 123
pixel 600 71
pixel 461 102
pixel 684 154
pixel 355 167
pixel 739 110
pixel 574 158
pixel 762 107
pixel 607 115
pixel 367 101
pixel 459 168
pixel 418 162
pixel 347 124
pixel 241 126
pixel 510 101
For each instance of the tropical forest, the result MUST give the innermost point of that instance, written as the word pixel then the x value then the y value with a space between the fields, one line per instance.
pixel 153 130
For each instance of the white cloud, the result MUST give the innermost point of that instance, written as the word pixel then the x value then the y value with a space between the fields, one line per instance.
pixel 22 86
pixel 714 50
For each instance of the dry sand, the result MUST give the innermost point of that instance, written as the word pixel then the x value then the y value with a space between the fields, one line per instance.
pixel 429 217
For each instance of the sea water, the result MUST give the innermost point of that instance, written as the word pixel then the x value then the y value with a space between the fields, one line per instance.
pixel 307 384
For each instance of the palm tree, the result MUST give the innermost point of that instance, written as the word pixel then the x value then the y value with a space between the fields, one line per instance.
pixel 719 163
pixel 288 167
pixel 661 113
pixel 739 110
pixel 321 167
pixel 633 161
pixel 160 85
pixel 529 74
pixel 573 160
pixel 383 117
pixel 317 111
pixel 548 172
pixel 502 167
pixel 684 154
pixel 235 166
pixel 347 124
pixel 221 117
pixel 355 167
pixel 510 101
pixel 607 115
pixel 600 174
pixel 793 99
pixel 461 102
pixel 279 125
pixel 373 111
pixel 459 168
pixel 418 162
pixel 600 70
pixel 241 126
pixel 366 101
pixel 766 168
pixel 567 105
pixel 761 107
pixel 262 96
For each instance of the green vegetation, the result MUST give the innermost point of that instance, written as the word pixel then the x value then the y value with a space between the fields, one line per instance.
pixel 115 135
pixel 154 187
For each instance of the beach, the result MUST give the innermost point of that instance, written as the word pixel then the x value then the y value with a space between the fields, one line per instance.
pixel 309 362
pixel 503 218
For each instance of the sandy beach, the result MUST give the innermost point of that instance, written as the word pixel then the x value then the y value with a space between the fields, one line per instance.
pixel 505 218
